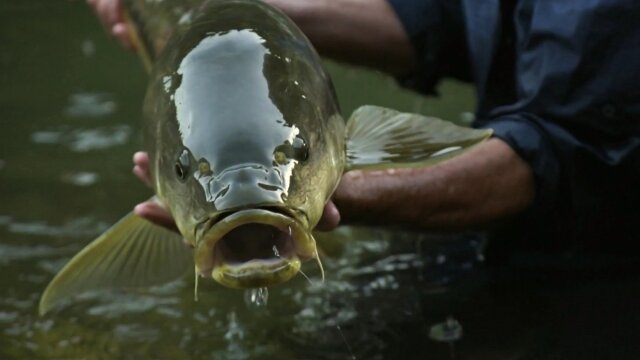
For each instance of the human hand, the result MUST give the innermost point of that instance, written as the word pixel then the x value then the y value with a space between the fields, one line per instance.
pixel 110 14
pixel 158 214
pixel 150 210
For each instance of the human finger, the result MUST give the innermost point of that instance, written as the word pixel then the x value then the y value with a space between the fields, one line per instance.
pixel 108 11
pixel 330 217
pixel 156 213
pixel 141 167
pixel 121 33
pixel 110 14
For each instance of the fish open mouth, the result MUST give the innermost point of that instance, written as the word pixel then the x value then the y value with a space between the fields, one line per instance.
pixel 254 248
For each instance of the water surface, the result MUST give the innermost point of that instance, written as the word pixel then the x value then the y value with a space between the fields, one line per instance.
pixel 69 108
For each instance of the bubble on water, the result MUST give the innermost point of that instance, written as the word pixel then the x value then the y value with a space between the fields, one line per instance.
pixel 235 330
pixel 88 48
pixel 448 331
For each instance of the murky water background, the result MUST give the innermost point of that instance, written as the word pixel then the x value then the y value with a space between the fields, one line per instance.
pixel 69 110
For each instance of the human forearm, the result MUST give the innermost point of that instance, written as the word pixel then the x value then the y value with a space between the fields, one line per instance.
pixel 362 32
pixel 486 185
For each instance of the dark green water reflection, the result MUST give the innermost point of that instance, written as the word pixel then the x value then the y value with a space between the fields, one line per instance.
pixel 69 109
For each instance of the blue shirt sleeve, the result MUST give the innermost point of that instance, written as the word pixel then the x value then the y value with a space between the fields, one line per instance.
pixel 586 187
pixel 436 31
pixel 574 116
pixel 558 81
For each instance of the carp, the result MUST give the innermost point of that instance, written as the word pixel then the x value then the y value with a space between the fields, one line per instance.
pixel 246 144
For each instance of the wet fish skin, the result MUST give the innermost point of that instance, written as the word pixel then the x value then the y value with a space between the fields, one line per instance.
pixel 246 144
pixel 241 104
pixel 265 88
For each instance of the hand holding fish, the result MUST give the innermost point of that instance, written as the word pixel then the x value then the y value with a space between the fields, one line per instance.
pixel 246 185
pixel 110 14
pixel 366 33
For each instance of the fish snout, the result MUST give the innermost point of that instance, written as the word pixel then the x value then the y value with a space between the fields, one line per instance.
pixel 246 186
pixel 253 248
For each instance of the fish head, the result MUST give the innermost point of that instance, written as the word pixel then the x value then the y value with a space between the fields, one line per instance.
pixel 246 145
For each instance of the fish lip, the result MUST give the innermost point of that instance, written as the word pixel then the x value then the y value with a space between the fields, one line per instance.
pixel 257 272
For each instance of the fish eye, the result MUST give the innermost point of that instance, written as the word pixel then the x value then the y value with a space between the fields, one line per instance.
pixel 204 168
pixel 181 167
pixel 279 156
pixel 298 150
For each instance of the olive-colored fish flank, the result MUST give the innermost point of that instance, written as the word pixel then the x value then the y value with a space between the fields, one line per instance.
pixel 241 115
pixel 246 145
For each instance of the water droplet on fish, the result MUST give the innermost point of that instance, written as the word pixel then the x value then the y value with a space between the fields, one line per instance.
pixel 256 298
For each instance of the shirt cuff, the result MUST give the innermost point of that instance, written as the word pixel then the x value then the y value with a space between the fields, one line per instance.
pixel 525 135
pixel 422 21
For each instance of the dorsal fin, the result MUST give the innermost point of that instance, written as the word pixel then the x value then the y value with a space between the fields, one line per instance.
pixel 379 138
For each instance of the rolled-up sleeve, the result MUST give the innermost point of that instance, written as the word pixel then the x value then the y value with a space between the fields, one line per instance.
pixel 570 109
pixel 558 82
pixel 528 137
pixel 585 187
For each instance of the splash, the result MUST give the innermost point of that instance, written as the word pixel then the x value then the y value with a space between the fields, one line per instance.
pixel 449 332
pixel 256 298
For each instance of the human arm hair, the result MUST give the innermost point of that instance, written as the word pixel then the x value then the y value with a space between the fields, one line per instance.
pixel 360 32
pixel 478 189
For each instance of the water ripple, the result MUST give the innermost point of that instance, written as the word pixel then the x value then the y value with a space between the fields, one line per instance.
pixel 90 104
pixel 126 304
pixel 10 253
pixel 80 227
pixel 81 178
pixel 83 140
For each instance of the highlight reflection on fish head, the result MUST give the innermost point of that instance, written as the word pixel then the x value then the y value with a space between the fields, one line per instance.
pixel 246 145
pixel 247 152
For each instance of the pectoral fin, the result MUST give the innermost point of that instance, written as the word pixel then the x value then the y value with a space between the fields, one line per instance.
pixel 379 138
pixel 132 253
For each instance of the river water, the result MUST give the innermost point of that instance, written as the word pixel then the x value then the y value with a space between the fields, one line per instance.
pixel 69 108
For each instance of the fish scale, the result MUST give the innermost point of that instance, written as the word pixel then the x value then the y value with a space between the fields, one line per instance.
pixel 235 84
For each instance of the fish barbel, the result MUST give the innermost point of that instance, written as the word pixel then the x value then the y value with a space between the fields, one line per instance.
pixel 246 144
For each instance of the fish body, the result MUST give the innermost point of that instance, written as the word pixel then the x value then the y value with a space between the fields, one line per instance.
pixel 240 115
pixel 246 144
